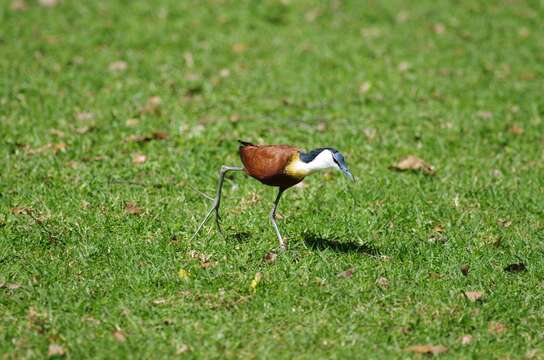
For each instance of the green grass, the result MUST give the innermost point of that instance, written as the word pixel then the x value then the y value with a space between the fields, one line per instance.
pixel 445 81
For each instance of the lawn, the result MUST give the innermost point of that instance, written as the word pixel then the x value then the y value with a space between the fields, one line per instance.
pixel 115 117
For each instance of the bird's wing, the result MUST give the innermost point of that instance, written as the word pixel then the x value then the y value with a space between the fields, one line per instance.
pixel 266 161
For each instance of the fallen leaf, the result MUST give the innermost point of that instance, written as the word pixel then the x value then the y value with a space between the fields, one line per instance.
pixel 439 229
pixel 119 336
pixel 21 211
pixel 427 349
pixel 208 264
pixel 516 130
pixel 466 339
pixel 413 163
pixel 189 60
pixel 382 282
pixel 18 5
pixel 495 327
pixel 484 114
pixel 57 133
pixel 515 268
pixel 139 158
pixel 83 129
pixel 55 350
pixel 439 28
pixel 473 296
pixel 496 173
pixel 365 87
pixel 224 73
pixel 132 122
pixel 152 106
pixel 183 274
pixel 464 269
pixel 321 126
pixel 370 133
pixel 132 209
pixel 524 32
pixel 270 257
pixel 13 286
pixel 239 48
pixel 84 116
pixel 159 301
pixel 48 3
pixel 347 273
pixel 92 320
pixel 182 349
pixel 404 66
pixel 505 223
pixel 159 135
pixel 118 66
pixel 256 280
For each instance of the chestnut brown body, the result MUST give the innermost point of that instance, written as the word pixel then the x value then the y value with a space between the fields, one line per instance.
pixel 268 163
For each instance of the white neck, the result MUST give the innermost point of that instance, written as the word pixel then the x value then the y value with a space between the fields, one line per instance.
pixel 320 162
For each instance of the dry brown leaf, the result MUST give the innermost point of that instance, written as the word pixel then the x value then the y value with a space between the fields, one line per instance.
pixel 496 328
pixel 159 301
pixel 439 229
pixel 505 223
pixel 404 66
pixel 21 211
pixel 57 133
pixel 83 129
pixel 92 320
pixel 270 257
pixel 224 73
pixel 119 336
pixel 132 122
pixel 152 106
pixel 466 339
pixel 139 158
pixel 182 349
pixel 347 273
pixel 473 295
pixel 427 349
pixel 464 269
pixel 382 282
pixel 414 163
pixel 18 5
pixel 48 3
pixel 55 350
pixel 370 133
pixel 321 126
pixel 439 28
pixel 208 264
pixel 239 48
pixel 189 60
pixel 118 66
pixel 132 209
pixel 484 114
pixel 364 87
pixel 84 116
pixel 515 129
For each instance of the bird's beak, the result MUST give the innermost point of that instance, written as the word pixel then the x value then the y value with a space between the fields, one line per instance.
pixel 348 174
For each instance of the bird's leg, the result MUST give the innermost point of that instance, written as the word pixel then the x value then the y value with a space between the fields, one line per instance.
pixel 217 199
pixel 273 219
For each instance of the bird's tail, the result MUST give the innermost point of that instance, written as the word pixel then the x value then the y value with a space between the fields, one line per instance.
pixel 245 143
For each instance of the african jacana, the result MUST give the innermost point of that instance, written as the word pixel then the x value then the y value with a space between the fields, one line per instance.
pixel 277 165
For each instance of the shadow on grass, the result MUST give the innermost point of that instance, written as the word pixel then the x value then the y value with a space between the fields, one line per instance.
pixel 317 242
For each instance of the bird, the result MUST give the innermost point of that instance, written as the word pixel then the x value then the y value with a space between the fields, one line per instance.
pixel 281 166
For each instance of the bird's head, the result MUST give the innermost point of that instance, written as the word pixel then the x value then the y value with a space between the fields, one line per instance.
pixel 326 158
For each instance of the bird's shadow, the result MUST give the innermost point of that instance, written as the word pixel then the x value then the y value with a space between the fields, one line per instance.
pixel 316 242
